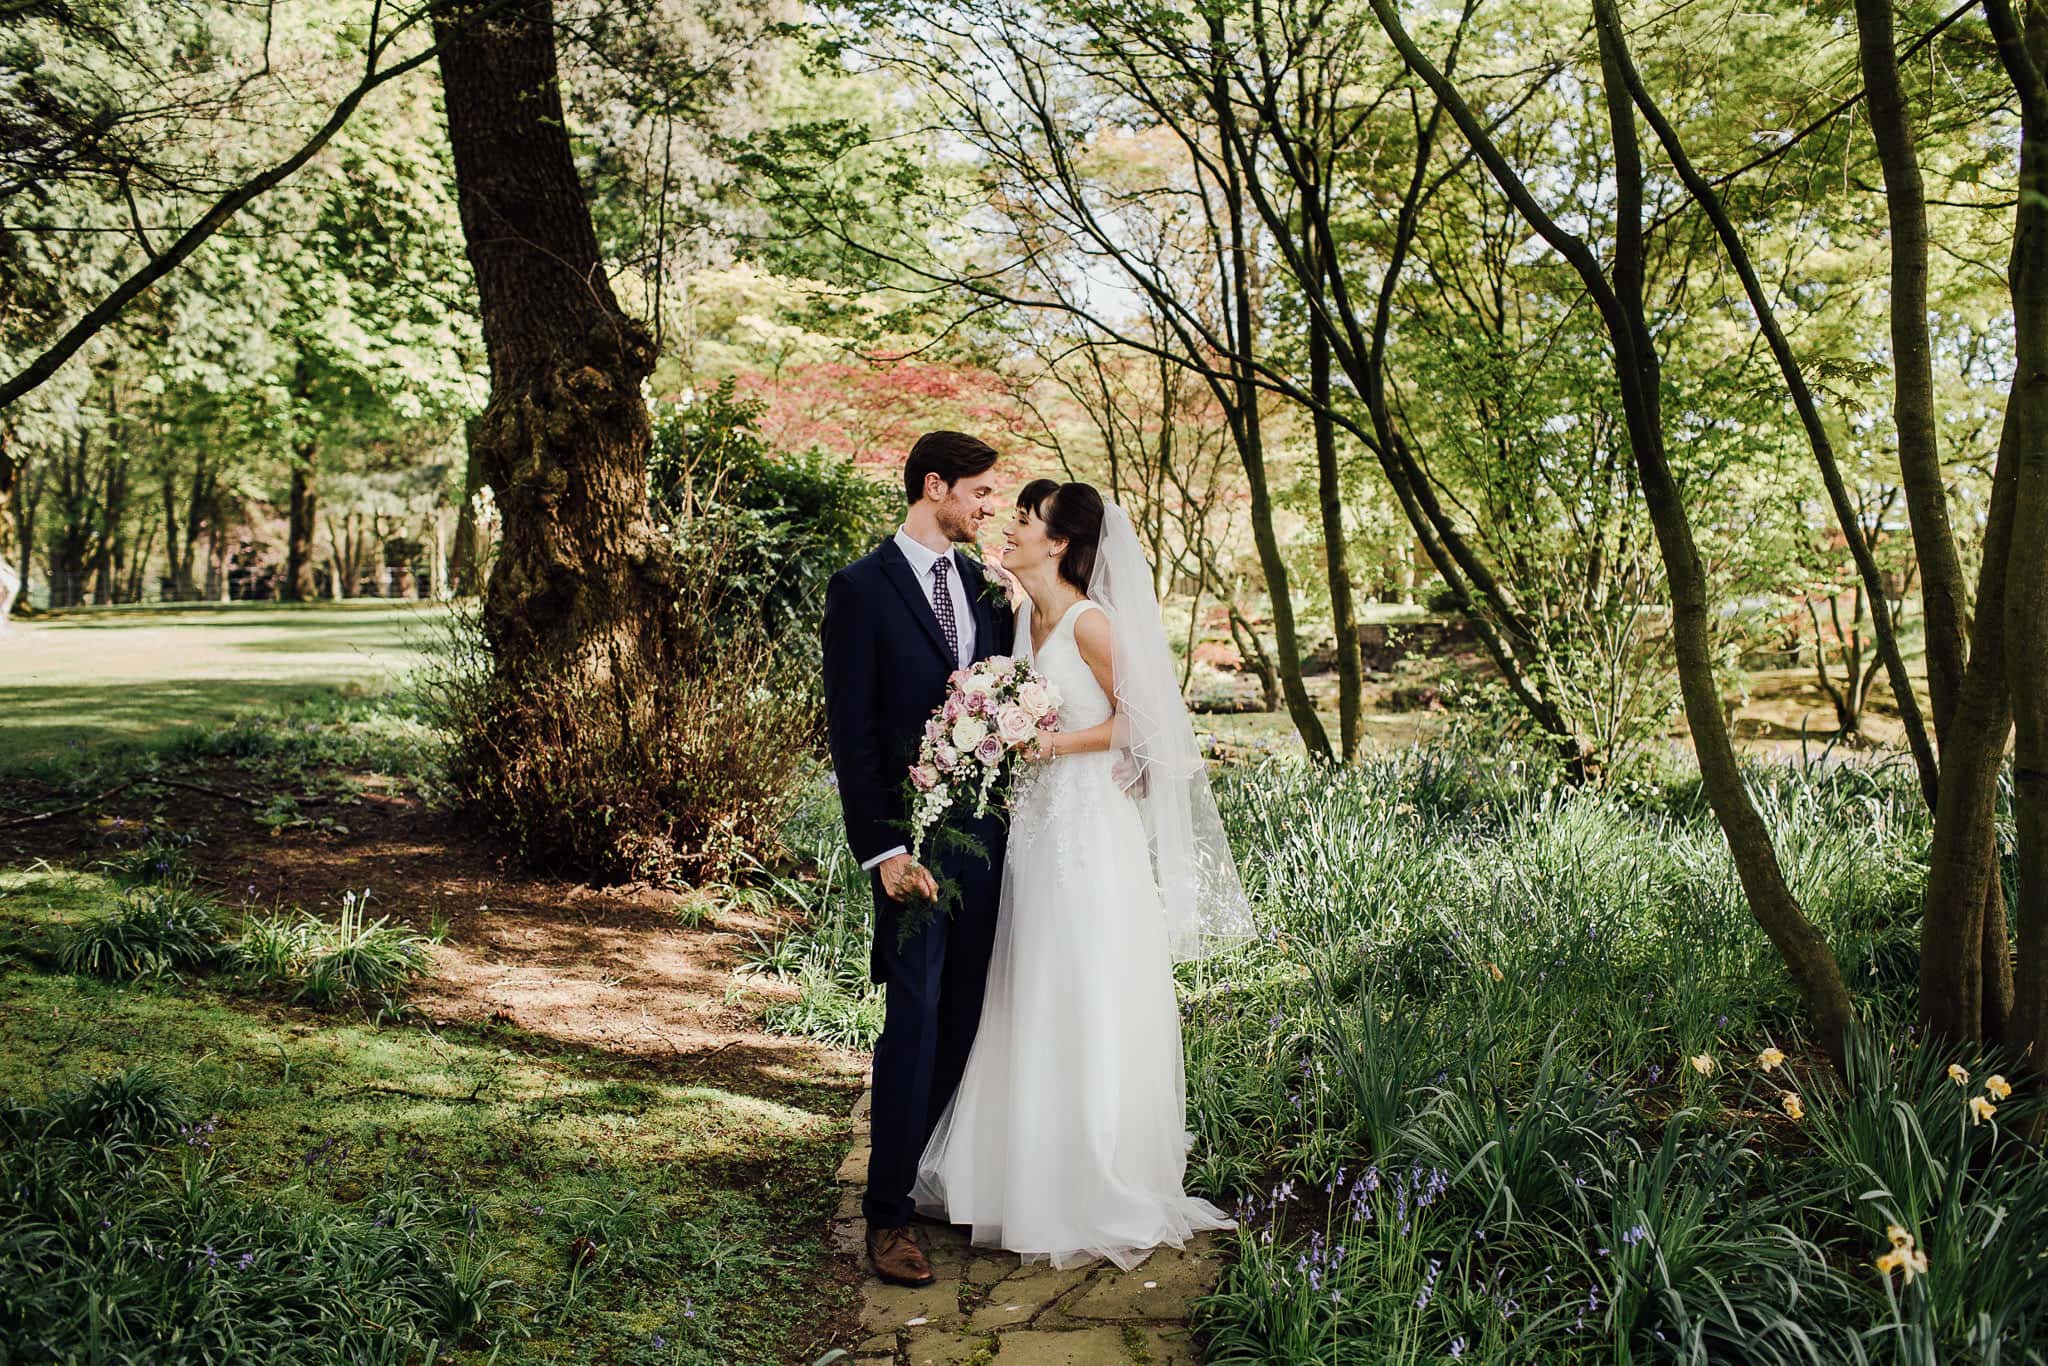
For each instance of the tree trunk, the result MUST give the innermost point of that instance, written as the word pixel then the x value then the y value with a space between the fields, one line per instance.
pixel 1330 488
pixel 301 524
pixel 13 579
pixel 1942 587
pixel 299 584
pixel 465 560
pixel 1638 368
pixel 1806 953
pixel 581 591
pixel 2025 606
pixel 1246 430
pixel 1962 870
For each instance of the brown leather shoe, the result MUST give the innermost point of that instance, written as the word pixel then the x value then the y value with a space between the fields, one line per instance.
pixel 897 1258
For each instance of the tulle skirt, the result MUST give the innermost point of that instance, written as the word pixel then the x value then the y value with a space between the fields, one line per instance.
pixel 1066 1140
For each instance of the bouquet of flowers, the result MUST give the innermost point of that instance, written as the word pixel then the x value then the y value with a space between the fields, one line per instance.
pixel 992 709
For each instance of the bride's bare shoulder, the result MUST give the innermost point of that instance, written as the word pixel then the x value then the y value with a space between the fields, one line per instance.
pixel 1092 632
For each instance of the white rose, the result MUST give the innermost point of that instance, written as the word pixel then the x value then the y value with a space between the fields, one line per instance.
pixel 969 731
pixel 1035 698
pixel 1015 725
pixel 977 682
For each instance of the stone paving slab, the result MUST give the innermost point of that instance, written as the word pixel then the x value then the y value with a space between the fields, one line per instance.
pixel 987 1304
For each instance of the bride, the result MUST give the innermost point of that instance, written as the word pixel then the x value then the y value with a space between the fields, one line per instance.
pixel 1066 1139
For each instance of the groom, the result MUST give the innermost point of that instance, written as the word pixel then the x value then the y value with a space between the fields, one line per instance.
pixel 897 624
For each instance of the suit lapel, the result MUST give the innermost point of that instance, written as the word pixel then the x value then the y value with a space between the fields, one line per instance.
pixel 903 578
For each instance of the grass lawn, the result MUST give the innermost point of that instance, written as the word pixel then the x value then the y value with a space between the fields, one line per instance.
pixel 92 679
pixel 601 1207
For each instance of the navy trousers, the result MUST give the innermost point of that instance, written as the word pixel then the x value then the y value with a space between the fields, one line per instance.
pixel 933 985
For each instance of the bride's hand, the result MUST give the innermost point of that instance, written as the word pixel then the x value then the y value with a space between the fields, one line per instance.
pixel 1002 575
pixel 1039 748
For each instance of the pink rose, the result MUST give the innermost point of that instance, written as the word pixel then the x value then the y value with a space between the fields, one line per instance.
pixel 989 751
pixel 1035 698
pixel 947 756
pixel 933 731
pixel 1049 721
pixel 953 710
pixel 1014 725
pixel 977 704
pixel 924 776
pixel 956 678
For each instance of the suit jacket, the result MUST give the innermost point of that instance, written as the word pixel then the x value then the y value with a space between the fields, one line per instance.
pixel 885 669
pixel 885 674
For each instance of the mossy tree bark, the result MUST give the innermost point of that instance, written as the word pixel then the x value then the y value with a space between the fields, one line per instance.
pixel 581 591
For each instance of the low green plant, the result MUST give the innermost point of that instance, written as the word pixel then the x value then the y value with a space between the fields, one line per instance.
pixel 152 932
pixel 350 960
pixel 121 1239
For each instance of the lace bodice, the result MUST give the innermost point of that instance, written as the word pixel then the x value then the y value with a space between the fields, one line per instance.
pixel 1082 701
pixel 1057 797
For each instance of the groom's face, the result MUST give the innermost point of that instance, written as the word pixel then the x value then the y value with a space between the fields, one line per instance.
pixel 966 504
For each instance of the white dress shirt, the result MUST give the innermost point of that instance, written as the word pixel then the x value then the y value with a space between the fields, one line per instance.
pixel 922 558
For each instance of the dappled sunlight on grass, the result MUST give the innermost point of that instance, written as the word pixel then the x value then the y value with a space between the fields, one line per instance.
pixel 93 678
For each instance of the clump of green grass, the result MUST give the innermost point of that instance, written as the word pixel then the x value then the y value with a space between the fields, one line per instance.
pixel 163 858
pixel 826 955
pixel 351 960
pixel 152 932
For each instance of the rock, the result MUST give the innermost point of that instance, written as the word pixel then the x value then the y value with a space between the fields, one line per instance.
pixel 956 1349
pixel 881 1347
pixel 1023 1295
pixel 1162 1287
pixel 885 1308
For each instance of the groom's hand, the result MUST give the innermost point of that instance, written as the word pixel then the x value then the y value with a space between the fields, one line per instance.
pixel 904 879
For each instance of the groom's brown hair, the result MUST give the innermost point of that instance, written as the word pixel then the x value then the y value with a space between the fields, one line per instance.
pixel 952 456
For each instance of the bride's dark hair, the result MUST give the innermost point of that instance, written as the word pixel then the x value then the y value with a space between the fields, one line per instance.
pixel 1071 513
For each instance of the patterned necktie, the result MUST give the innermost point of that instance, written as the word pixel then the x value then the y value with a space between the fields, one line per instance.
pixel 942 604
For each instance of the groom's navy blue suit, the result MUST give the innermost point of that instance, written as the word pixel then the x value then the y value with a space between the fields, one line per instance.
pixel 886 666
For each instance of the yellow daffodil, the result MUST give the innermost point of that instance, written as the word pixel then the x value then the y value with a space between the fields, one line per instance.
pixel 1906 1259
pixel 1997 1087
pixel 1794 1107
pixel 1903 1256
pixel 1702 1063
pixel 1957 1075
pixel 1771 1059
pixel 1981 1109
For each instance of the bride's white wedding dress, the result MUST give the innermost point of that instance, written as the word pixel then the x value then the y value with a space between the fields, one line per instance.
pixel 1066 1140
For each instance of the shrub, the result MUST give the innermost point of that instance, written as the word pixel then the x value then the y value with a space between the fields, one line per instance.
pixel 770 526
pixel 689 776
pixel 689 782
pixel 136 1105
pixel 153 932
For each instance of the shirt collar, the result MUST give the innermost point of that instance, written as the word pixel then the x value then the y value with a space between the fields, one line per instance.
pixel 921 556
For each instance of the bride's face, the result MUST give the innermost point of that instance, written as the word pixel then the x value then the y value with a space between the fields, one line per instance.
pixel 1026 541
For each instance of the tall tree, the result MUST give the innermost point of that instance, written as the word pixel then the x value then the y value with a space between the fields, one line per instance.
pixel 582 586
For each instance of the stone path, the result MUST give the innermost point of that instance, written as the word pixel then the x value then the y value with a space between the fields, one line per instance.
pixel 986 1305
